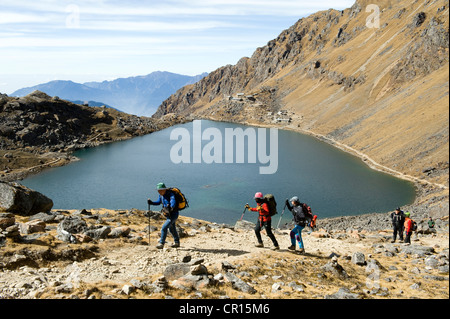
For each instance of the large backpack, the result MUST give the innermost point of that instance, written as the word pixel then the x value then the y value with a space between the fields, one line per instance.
pixel 181 200
pixel 307 211
pixel 413 225
pixel 272 203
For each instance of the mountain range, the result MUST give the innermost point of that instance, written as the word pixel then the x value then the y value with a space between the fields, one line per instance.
pixel 140 95
pixel 372 79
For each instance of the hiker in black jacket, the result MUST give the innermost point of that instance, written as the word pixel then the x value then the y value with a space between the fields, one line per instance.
pixel 398 221
pixel 300 219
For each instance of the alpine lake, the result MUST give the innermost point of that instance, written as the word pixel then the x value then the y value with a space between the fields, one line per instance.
pixel 219 167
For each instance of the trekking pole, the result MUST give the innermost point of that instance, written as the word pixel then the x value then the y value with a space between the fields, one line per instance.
pixel 149 224
pixel 282 213
pixel 245 209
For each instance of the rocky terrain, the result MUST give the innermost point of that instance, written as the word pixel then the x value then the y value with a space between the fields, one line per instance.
pixel 39 131
pixel 104 254
pixel 379 93
pixel 376 88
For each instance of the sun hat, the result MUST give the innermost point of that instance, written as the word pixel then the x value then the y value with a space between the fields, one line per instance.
pixel 259 195
pixel 161 186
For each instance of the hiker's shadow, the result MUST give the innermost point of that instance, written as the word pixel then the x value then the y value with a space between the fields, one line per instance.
pixel 230 252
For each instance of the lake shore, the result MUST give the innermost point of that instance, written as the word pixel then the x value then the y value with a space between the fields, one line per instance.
pixel 431 199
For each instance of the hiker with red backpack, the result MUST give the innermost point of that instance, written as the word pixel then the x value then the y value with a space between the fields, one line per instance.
pixel 264 220
pixel 302 217
pixel 170 210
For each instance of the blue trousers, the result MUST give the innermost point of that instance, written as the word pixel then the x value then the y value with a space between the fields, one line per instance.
pixel 296 234
pixel 169 225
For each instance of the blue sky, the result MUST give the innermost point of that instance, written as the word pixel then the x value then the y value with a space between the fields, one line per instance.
pixel 95 40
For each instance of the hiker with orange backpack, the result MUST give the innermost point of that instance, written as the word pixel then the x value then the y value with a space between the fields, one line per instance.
pixel 170 209
pixel 301 219
pixel 264 220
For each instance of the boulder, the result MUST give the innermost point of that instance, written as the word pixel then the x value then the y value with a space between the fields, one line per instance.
pixel 45 217
pixel 97 233
pixel 122 231
pixel 239 284
pixel 336 269
pixel 343 293
pixel 73 224
pixel 176 271
pixel 359 259
pixel 422 251
pixel 198 270
pixel 11 231
pixel 190 282
pixel 34 226
pixel 18 199
pixel 69 226
pixel 6 220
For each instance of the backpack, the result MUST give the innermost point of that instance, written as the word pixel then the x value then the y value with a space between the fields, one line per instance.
pixel 307 211
pixel 413 225
pixel 313 222
pixel 269 199
pixel 181 200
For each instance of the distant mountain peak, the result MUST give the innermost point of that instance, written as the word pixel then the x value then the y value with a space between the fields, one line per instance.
pixel 139 95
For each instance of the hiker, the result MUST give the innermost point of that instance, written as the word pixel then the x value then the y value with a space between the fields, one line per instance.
pixel 431 223
pixel 264 220
pixel 170 210
pixel 408 227
pixel 398 221
pixel 300 219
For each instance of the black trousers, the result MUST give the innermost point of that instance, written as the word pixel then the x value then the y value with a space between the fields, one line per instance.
pixel 398 229
pixel 408 237
pixel 268 225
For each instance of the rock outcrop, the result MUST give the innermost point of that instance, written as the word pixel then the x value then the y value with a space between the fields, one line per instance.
pixel 21 200
pixel 38 131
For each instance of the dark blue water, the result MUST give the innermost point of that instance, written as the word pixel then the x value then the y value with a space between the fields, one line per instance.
pixel 123 175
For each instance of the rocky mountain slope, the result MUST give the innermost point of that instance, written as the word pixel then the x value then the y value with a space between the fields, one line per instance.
pixel 38 131
pixel 375 87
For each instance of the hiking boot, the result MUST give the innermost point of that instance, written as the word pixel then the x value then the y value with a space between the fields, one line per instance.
pixel 259 245
pixel 291 247
pixel 276 248
pixel 301 251
pixel 160 246
pixel 175 245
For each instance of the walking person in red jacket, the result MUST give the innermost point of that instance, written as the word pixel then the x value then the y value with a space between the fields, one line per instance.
pixel 409 224
pixel 264 220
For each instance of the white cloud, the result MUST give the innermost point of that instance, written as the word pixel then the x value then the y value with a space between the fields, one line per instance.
pixel 14 18
pixel 140 36
pixel 154 26
pixel 182 7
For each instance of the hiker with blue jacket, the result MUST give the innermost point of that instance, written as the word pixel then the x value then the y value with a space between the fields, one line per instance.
pixel 300 219
pixel 170 211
